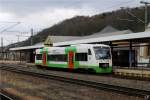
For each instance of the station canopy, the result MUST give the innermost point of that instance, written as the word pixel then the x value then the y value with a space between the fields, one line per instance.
pixel 107 34
pixel 131 36
pixel 36 46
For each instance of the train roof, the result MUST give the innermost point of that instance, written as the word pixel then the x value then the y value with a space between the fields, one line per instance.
pixel 77 45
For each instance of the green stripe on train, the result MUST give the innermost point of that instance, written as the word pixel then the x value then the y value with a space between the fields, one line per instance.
pixel 96 68
pixel 103 70
pixel 57 65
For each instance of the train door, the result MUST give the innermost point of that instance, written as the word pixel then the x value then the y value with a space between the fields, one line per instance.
pixel 44 58
pixel 71 60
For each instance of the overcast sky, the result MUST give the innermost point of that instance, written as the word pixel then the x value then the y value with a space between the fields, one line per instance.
pixel 40 14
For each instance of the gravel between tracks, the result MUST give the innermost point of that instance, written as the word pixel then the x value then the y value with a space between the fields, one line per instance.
pixel 29 87
pixel 138 84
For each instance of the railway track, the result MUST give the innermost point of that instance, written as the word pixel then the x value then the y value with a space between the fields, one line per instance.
pixel 5 97
pixel 101 86
pixel 85 72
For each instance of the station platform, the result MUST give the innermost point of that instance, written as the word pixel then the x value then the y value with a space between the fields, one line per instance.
pixel 133 72
pixel 30 64
pixel 12 62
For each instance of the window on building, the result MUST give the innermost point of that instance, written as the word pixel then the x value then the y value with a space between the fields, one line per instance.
pixel 38 56
pixel 81 57
pixel 89 52
pixel 61 57
pixel 149 51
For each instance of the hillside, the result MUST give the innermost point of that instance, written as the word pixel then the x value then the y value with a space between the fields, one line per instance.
pixel 85 25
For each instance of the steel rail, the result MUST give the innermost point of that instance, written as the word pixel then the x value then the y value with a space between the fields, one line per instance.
pixel 5 97
pixel 97 85
pixel 106 75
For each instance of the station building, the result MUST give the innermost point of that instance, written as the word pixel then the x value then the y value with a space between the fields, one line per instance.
pixel 128 49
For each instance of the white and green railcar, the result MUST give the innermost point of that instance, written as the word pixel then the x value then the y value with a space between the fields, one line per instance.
pixel 86 56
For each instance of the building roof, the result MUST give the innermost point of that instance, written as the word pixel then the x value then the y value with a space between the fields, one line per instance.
pixel 58 40
pixel 107 34
pixel 38 45
pixel 106 38
pixel 108 29
pixel 90 39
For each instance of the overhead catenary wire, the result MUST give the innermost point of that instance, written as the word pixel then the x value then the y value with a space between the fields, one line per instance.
pixel 9 27
pixel 133 15
pixel 119 4
pixel 8 22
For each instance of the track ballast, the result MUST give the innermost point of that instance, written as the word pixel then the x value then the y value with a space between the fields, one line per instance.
pixel 101 86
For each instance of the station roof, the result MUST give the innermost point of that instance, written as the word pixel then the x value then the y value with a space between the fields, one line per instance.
pixel 106 38
pixel 99 34
pixel 38 45
pixel 56 39
pixel 108 29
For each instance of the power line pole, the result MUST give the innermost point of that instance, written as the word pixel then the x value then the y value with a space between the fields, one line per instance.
pixel 2 44
pixel 2 55
pixel 18 38
pixel 146 15
pixel 32 36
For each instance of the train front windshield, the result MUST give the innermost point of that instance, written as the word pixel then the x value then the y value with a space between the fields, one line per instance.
pixel 102 53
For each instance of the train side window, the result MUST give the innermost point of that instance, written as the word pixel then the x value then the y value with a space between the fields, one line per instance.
pixel 61 57
pixel 38 56
pixel 89 52
pixel 81 57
